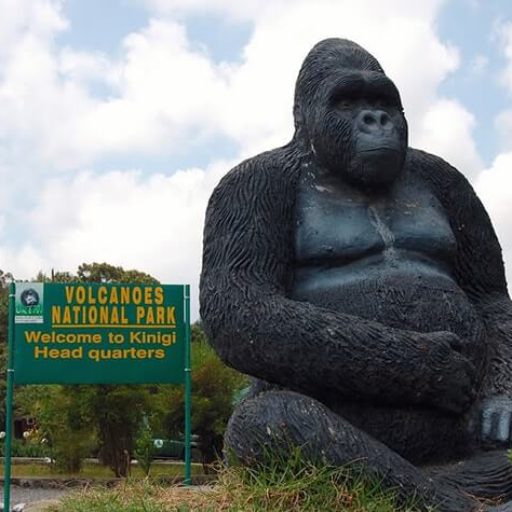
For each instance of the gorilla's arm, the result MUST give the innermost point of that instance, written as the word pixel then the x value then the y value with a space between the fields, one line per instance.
pixel 247 264
pixel 480 273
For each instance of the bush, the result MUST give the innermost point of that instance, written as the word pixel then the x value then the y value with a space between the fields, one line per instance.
pixel 118 412
pixel 214 386
pixel 32 447
pixel 63 420
pixel 145 448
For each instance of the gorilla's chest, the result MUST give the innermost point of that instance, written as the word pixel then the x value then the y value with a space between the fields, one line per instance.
pixel 337 224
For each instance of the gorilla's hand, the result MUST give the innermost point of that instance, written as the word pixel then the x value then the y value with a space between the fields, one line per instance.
pixel 495 416
pixel 450 375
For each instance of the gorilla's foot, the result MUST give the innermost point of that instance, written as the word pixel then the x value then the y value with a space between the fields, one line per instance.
pixel 283 419
pixel 486 475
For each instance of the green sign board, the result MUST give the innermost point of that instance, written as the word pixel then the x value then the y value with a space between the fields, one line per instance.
pixel 95 333
pixel 74 333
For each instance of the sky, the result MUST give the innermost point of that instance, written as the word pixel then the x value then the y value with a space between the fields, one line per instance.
pixel 119 117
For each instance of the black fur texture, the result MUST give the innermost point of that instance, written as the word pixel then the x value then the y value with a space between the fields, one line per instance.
pixel 360 282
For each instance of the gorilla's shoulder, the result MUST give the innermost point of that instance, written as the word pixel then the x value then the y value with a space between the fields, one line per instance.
pixel 270 167
pixel 434 169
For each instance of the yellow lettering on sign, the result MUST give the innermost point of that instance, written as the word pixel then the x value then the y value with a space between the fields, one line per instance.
pixel 69 293
pixel 102 295
pixel 61 337
pixel 55 353
pixel 66 317
pixel 159 295
pixel 98 355
pixel 55 314
pixel 125 295
pixel 155 315
pixel 137 295
pixel 91 299
pixel 114 299
pixel 80 294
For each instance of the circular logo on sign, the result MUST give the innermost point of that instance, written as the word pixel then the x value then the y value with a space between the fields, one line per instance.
pixel 30 297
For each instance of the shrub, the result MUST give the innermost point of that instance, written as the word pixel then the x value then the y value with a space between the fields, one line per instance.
pixel 145 448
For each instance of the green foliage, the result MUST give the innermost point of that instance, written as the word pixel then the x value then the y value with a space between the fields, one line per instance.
pixel 106 418
pixel 105 273
pixel 64 420
pixel 32 447
pixel 197 334
pixel 145 448
pixel 77 419
pixel 118 411
pixel 213 388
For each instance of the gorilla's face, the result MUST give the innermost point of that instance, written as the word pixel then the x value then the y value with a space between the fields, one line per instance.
pixel 356 127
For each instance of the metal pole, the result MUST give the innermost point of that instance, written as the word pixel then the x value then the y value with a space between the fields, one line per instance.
pixel 8 400
pixel 188 386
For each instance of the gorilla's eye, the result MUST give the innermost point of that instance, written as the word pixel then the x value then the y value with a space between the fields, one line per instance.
pixel 383 103
pixel 344 103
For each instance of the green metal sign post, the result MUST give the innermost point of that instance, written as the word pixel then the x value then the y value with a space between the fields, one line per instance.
pixel 8 405
pixel 95 333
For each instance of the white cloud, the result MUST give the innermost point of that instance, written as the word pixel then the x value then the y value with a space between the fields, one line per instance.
pixel 494 187
pixel 446 129
pixel 167 94
pixel 257 113
pixel 503 125
pixel 37 103
pixel 262 9
pixel 149 223
pixel 503 120
pixel 236 11
pixel 163 95
pixel 41 18
pixel 504 36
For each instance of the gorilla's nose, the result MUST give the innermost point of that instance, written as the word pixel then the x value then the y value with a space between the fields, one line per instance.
pixel 374 121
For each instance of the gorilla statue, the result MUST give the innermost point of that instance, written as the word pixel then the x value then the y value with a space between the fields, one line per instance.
pixel 361 284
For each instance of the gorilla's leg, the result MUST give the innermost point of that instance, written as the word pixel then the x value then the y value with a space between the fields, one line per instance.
pixel 278 419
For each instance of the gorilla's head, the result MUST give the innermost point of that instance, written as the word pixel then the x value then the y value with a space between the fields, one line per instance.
pixel 349 113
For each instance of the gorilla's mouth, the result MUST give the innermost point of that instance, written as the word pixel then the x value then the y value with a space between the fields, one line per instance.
pixel 380 149
pixel 378 165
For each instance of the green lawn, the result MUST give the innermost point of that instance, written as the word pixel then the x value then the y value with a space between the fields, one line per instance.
pixel 92 470
pixel 278 489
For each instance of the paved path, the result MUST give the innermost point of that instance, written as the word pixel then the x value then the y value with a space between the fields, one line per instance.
pixel 30 495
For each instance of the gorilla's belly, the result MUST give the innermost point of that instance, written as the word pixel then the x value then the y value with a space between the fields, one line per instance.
pixel 407 294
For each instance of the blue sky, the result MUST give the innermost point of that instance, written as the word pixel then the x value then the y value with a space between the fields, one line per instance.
pixel 120 116
pixel 471 27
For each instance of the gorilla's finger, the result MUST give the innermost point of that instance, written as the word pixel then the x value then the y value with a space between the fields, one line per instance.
pixel 487 422
pixel 503 431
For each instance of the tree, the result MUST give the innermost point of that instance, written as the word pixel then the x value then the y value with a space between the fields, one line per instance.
pixel 110 416
pixel 118 409
pixel 115 411
pixel 64 420
pixel 214 386
pixel 105 273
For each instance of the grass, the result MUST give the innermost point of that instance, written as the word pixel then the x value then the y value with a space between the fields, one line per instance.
pixel 296 487
pixel 97 471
